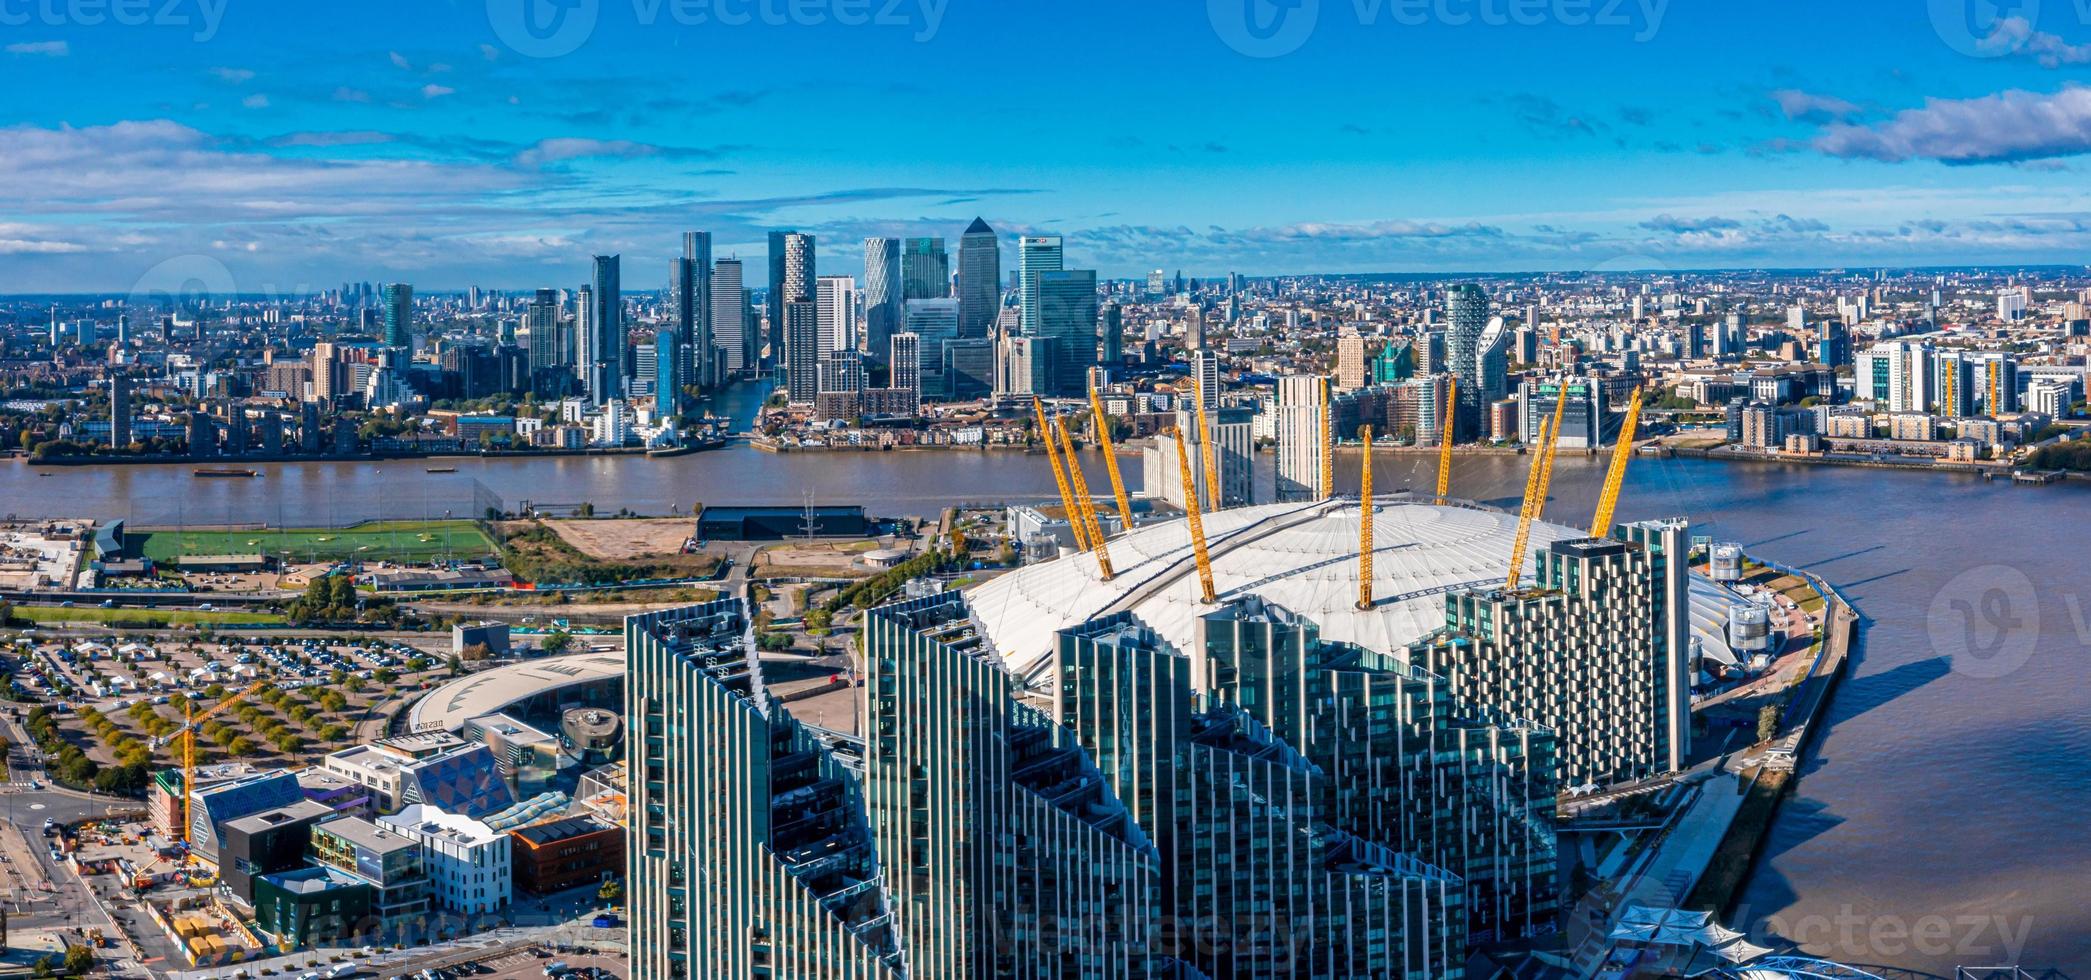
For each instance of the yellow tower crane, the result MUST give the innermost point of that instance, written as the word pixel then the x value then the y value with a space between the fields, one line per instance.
pixel 1616 476
pixel 187 734
pixel 1445 444
pixel 1103 441
pixel 1365 523
pixel 1214 500
pixel 1067 497
pixel 1328 445
pixel 1085 506
pixel 1197 521
pixel 1535 494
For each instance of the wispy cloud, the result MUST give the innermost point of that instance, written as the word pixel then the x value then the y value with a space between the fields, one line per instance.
pixel 2016 35
pixel 1808 107
pixel 48 49
pixel 2008 127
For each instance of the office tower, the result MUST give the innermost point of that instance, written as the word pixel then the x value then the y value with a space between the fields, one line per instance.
pixel 1597 650
pixel 1352 366
pixel 670 358
pixel 542 320
pixel 773 306
pixel 119 410
pixel 932 321
pixel 925 269
pixel 749 849
pixel 1728 336
pixel 1205 376
pixel 968 368
pixel 602 334
pixel 979 279
pixel 802 351
pixel 1898 373
pixel 399 315
pixel 837 298
pixel 882 295
pixel 1466 316
pixel 1194 329
pixel 1110 327
pixel 1067 317
pixel 905 355
pixel 693 308
pixel 1035 256
pixel 1492 362
pixel 729 309
pixel 1586 422
pixel 1300 445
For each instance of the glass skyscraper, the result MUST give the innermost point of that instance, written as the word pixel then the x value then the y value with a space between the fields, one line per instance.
pixel 1067 317
pixel 925 270
pixel 979 280
pixel 882 295
pixel 399 315
pixel 1035 256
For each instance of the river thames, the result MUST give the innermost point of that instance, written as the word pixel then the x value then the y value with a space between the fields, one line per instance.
pixel 1940 822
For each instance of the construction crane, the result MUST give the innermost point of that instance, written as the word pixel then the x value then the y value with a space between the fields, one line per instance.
pixel 1197 522
pixel 1103 441
pixel 1365 523
pixel 1616 476
pixel 1328 445
pixel 1534 492
pixel 187 733
pixel 1067 496
pixel 1445 444
pixel 1084 504
pixel 1214 499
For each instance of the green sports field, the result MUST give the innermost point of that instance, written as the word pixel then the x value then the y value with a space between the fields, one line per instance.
pixel 401 541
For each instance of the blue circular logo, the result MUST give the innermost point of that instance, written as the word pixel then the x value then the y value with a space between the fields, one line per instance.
pixel 1264 28
pixel 1984 28
pixel 543 28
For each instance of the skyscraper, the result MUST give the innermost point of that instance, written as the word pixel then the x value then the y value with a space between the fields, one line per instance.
pixel 932 321
pixel 1300 444
pixel 979 279
pixel 802 351
pixel 773 306
pixel 1466 315
pixel 1110 329
pixel 905 355
pixel 693 308
pixel 837 299
pixel 399 315
pixel 1035 256
pixel 1067 317
pixel 605 347
pixel 797 282
pixel 882 295
pixel 925 269
pixel 669 356
pixel 542 320
pixel 729 310
pixel 119 410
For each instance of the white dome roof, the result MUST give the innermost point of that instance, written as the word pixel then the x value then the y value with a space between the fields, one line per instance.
pixel 1303 557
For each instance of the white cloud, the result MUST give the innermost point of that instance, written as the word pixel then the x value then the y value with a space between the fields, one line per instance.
pixel 434 91
pixel 49 49
pixel 2017 36
pixel 2007 127
pixel 256 101
pixel 1809 107
pixel 236 76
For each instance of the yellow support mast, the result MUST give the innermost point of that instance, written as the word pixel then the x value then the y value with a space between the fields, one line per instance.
pixel 1445 445
pixel 1197 521
pixel 1086 506
pixel 1553 449
pixel 1214 499
pixel 1529 510
pixel 1616 476
pixel 1103 441
pixel 1365 523
pixel 1067 497
pixel 1328 444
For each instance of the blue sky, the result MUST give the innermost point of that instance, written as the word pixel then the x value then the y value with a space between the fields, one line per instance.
pixel 298 144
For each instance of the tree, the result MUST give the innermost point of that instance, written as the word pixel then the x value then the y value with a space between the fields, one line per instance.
pixel 610 892
pixel 78 960
pixel 1767 723
pixel 556 641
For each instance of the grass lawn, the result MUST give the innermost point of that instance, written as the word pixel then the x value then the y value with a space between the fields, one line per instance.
pixel 146 618
pixel 403 541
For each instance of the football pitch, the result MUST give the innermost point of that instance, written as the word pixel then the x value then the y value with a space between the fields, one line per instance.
pixel 400 541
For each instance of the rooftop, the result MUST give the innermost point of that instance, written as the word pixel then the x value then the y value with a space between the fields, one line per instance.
pixel 367 835
pixel 447 708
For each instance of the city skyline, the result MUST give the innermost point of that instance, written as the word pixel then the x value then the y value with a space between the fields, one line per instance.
pixel 459 153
